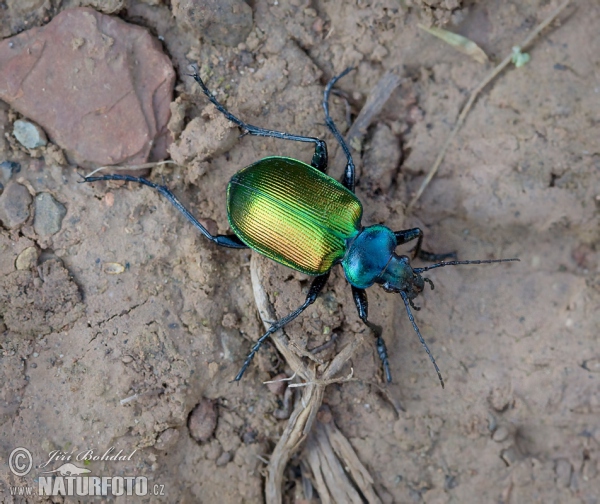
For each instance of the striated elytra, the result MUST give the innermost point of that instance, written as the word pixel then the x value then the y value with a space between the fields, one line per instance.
pixel 293 213
pixel 297 215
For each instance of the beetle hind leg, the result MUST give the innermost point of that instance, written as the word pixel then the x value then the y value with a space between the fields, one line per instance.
pixel 362 306
pixel 315 288
pixel 319 159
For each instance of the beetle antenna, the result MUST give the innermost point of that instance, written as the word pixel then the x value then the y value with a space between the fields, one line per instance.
pixel 414 324
pixel 456 263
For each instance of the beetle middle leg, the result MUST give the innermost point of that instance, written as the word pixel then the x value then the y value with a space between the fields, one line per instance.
pixel 230 241
pixel 408 235
pixel 362 306
pixel 315 288
pixel 319 159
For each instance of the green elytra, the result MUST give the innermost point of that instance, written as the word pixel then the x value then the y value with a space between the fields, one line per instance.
pixel 297 215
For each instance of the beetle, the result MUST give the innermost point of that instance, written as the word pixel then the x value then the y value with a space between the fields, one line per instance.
pixel 297 215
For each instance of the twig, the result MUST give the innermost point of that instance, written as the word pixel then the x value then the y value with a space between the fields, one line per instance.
pixel 324 383
pixel 474 94
pixel 131 167
pixel 305 410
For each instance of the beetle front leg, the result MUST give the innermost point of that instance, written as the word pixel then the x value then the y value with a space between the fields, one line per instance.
pixel 315 288
pixel 408 235
pixel 362 306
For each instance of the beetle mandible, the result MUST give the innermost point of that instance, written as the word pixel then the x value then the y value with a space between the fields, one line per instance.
pixel 297 215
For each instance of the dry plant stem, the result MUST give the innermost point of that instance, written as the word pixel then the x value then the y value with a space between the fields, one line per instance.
pixel 333 461
pixel 474 94
pixel 342 447
pixel 131 167
pixel 305 411
pixel 333 481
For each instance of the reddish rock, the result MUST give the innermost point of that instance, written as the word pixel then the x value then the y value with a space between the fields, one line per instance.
pixel 99 87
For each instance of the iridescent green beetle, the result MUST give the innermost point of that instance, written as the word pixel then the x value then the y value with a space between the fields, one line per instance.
pixel 297 215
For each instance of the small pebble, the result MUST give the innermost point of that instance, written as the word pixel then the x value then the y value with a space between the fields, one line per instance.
pixel 229 321
pixel 278 387
pixel 8 169
pixel 249 437
pixel 592 365
pixel 500 434
pixel 510 456
pixel 14 205
pixel 563 470
pixel 167 439
pixel 113 268
pixel 203 420
pixel 27 259
pixel 29 134
pixel 49 214
pixel 224 459
pixel 127 359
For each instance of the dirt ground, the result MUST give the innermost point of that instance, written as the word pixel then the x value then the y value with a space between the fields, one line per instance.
pixel 93 360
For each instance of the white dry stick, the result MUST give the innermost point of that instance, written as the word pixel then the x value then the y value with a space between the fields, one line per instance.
pixel 131 167
pixel 302 418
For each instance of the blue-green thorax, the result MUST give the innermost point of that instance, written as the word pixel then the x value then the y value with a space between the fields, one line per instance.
pixel 371 258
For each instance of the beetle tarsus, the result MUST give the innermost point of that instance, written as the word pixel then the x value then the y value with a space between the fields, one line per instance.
pixel 362 307
pixel 383 356
pixel 414 306
pixel 407 304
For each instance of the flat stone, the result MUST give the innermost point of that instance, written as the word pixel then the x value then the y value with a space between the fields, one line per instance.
pixel 49 214
pixel 28 134
pixel 14 205
pixel 8 169
pixel 98 86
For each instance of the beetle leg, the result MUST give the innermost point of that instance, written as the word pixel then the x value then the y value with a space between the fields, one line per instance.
pixel 319 159
pixel 230 241
pixel 362 306
pixel 316 287
pixel 348 177
pixel 416 328
pixel 416 233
